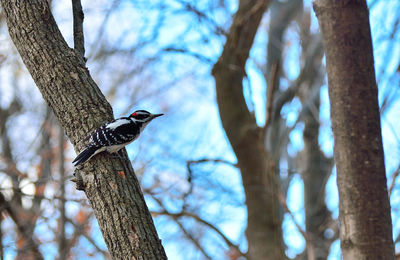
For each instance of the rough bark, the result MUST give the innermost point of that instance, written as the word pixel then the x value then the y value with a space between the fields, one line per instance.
pixel 263 226
pixel 65 83
pixel 364 210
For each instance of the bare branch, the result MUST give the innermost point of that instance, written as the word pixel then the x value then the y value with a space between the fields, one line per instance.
pixel 203 17
pixel 198 219
pixel 315 53
pixel 42 197
pixel 79 230
pixel 11 169
pixel 204 222
pixel 79 41
pixel 309 244
pixel 190 53
pixel 394 177
pixel 193 239
pixel 102 29
pixel 205 160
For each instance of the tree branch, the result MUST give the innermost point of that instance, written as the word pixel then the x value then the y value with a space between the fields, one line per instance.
pixel 78 16
pixel 198 219
pixel 192 238
pixel 394 177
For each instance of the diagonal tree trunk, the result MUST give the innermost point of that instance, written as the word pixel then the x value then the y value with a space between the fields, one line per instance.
pixel 364 210
pixel 65 83
pixel 263 225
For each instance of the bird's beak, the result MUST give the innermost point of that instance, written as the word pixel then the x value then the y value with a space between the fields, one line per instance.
pixel 156 115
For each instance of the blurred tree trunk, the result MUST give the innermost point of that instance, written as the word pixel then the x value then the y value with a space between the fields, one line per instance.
pixel 62 239
pixel 311 162
pixel 364 209
pixel 27 250
pixel 24 219
pixel 314 166
pixel 315 170
pixel 66 85
pixel 247 139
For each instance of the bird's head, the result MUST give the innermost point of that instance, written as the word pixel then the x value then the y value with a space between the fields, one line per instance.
pixel 143 116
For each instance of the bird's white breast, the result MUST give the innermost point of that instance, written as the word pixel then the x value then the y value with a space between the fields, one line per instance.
pixel 117 147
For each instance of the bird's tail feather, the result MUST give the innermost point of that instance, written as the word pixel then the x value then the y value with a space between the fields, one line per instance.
pixel 84 155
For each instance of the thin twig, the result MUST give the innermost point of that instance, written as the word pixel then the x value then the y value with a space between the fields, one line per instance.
pixel 79 230
pixel 193 239
pixel 42 197
pixel 197 218
pixel 78 16
pixel 309 244
pixel 394 177
pixel 203 160
pixel 94 49
pixel 198 56
pixel 282 201
pixel 217 160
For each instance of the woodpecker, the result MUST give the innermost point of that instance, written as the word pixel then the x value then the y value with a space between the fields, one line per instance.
pixel 115 135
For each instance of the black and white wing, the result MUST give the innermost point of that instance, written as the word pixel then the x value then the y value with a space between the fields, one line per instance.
pixel 109 137
pixel 119 131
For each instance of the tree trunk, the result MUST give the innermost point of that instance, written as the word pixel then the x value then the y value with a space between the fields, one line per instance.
pixel 66 85
pixel 364 210
pixel 263 226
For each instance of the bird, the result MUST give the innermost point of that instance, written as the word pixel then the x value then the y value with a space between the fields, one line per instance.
pixel 115 135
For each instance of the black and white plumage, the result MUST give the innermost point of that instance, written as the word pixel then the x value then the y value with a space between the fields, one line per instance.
pixel 115 135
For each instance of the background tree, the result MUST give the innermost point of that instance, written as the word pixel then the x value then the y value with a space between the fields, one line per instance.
pixel 263 229
pixel 357 131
